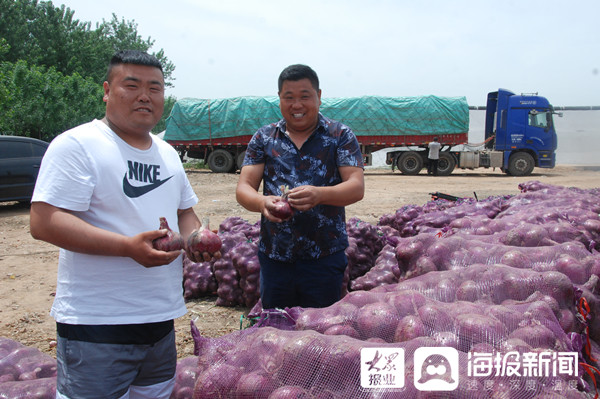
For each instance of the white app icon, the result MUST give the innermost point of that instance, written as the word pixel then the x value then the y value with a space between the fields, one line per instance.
pixel 436 369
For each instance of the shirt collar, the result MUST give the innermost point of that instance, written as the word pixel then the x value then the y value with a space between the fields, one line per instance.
pixel 321 125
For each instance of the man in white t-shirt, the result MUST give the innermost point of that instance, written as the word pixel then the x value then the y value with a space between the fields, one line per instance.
pixel 433 157
pixel 101 190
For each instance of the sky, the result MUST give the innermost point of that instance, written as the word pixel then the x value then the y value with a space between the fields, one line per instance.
pixel 232 48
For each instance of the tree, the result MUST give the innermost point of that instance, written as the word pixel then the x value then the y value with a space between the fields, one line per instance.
pixel 42 34
pixel 41 102
pixel 123 35
pixel 4 93
pixel 52 66
pixel 162 124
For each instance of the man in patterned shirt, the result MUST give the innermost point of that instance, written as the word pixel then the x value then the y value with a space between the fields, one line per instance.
pixel 302 259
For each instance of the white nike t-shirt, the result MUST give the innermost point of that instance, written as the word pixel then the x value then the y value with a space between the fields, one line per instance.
pixel 92 172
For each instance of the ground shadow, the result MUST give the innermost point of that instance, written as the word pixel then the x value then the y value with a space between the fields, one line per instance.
pixel 14 208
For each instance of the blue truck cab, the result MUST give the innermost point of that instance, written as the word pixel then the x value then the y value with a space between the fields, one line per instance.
pixel 522 128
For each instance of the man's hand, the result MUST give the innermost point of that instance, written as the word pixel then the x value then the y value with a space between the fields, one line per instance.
pixel 66 230
pixel 268 208
pixel 142 251
pixel 304 198
pixel 199 257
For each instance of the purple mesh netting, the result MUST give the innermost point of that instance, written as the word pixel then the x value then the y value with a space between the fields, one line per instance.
pixel 25 372
pixel 505 275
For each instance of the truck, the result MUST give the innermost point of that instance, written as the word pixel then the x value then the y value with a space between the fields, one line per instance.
pixel 519 130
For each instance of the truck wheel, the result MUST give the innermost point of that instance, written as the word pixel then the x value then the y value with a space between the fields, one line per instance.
pixel 409 163
pixel 240 159
pixel 520 164
pixel 446 164
pixel 220 161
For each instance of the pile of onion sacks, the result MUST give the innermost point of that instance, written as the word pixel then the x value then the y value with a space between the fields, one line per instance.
pixel 511 274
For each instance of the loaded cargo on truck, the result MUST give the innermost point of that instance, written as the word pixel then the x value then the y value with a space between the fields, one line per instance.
pixel 519 130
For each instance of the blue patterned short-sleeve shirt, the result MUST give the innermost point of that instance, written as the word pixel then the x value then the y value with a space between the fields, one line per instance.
pixel 320 231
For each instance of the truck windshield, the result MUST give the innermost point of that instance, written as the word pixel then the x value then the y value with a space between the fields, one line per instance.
pixel 541 119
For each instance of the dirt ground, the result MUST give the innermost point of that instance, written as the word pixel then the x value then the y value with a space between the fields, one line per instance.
pixel 28 267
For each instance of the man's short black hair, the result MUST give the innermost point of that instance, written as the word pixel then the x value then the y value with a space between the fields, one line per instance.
pixel 298 72
pixel 135 57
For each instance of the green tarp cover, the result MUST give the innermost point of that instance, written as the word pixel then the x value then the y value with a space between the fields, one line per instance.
pixel 197 119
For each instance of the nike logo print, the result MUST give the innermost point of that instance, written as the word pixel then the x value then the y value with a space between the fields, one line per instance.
pixel 137 191
pixel 142 173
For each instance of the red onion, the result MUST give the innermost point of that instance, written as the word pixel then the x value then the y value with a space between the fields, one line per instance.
pixel 172 241
pixel 282 208
pixel 204 240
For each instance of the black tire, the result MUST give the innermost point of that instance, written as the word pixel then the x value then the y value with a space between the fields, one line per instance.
pixel 240 159
pixel 220 161
pixel 446 164
pixel 409 163
pixel 520 164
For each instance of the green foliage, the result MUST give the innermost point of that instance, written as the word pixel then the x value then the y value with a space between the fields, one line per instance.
pixel 195 164
pixel 4 46
pixel 52 66
pixel 42 34
pixel 40 102
pixel 123 35
pixel 162 124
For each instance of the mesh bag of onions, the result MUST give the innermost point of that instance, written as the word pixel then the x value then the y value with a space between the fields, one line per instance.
pixel 325 361
pixel 234 277
pixel 25 372
pixel 186 374
pixel 508 284
pixel 485 310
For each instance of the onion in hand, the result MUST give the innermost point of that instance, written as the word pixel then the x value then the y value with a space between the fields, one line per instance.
pixel 172 241
pixel 282 208
pixel 203 241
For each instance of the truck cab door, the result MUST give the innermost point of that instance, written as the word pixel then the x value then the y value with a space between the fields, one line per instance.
pixel 529 128
pixel 541 128
pixel 542 136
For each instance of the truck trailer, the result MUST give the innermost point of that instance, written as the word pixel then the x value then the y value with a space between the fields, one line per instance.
pixel 519 130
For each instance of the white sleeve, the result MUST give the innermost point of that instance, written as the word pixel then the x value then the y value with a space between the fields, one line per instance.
pixel 188 196
pixel 66 178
